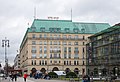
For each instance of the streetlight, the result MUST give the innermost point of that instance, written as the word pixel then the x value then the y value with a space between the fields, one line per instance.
pixel 5 43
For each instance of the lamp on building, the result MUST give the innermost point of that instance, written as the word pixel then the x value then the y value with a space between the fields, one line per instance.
pixel 5 44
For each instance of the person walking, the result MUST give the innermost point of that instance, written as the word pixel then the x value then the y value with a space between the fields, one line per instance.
pixel 15 76
pixel 25 77
pixel 12 76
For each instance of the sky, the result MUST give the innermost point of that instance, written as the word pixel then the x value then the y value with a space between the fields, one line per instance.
pixel 16 14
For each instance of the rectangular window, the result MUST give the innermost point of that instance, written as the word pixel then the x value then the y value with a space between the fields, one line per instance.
pixel 40 62
pixel 33 49
pixel 76 36
pixel 50 42
pixel 69 49
pixel 64 62
pixel 65 55
pixel 76 56
pixel 33 36
pixel 51 61
pixel 83 43
pixel 64 43
pixel 50 55
pixel 40 49
pixel 33 42
pixel 69 55
pixel 45 42
pixel 77 62
pixel 83 37
pixel 45 55
pixel 64 37
pixel 40 55
pixel 69 43
pixel 65 49
pixel 69 37
pixel 83 63
pixel 45 49
pixel 83 50
pixel 74 62
pixel 33 56
pixel 45 62
pixel 55 55
pixel 40 35
pixel 34 62
pixel 69 62
pixel 40 42
pixel 76 43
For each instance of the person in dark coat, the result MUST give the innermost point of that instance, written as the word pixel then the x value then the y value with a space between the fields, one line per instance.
pixel 15 76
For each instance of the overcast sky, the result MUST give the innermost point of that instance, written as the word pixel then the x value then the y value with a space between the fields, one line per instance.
pixel 16 14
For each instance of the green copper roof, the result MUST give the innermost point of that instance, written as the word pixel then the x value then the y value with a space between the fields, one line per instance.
pixel 66 26
pixel 107 30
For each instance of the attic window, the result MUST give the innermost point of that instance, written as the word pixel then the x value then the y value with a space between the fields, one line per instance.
pixel 67 29
pixel 42 29
pixel 58 29
pixel 33 29
pixel 51 29
pixel 83 30
pixel 76 30
pixel 54 29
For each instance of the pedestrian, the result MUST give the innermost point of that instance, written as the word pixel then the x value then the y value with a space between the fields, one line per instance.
pixel 15 76
pixel 25 77
pixel 12 76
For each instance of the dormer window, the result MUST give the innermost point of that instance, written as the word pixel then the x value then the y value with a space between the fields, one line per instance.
pixel 58 29
pixel 83 30
pixel 76 30
pixel 67 29
pixel 33 29
pixel 42 29
pixel 54 29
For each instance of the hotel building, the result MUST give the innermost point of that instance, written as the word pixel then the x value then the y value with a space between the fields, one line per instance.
pixel 51 45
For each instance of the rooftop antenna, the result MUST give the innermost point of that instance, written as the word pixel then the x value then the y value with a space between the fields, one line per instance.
pixel 71 14
pixel 28 26
pixel 34 12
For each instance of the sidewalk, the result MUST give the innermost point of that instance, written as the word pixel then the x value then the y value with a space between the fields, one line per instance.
pixel 19 79
pixel 44 80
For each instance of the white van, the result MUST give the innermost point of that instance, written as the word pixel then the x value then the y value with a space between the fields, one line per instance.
pixel 59 73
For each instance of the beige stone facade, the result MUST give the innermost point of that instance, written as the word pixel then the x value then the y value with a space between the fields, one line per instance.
pixel 53 51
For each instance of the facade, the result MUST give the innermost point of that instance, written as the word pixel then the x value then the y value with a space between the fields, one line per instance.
pixel 103 52
pixel 51 45
pixel 17 62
